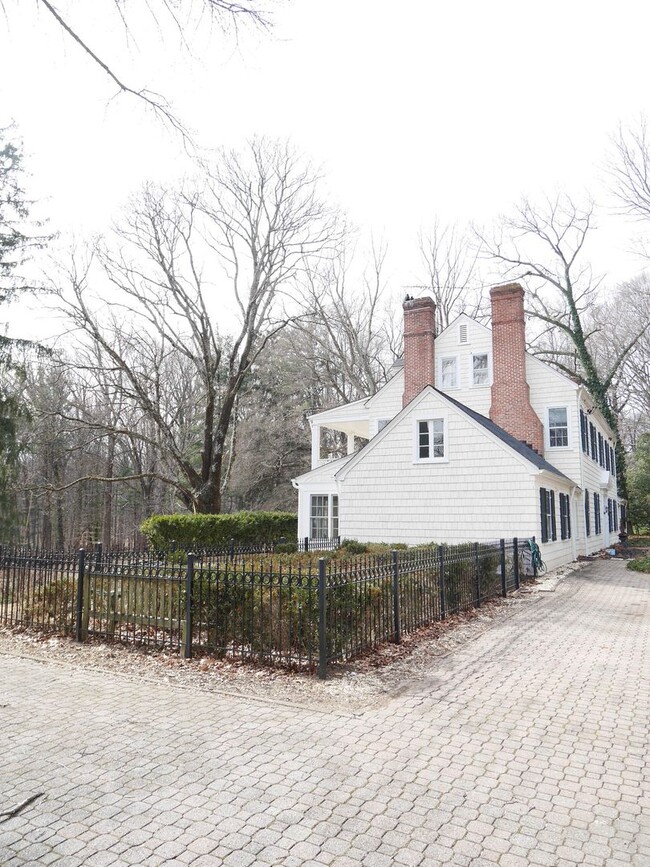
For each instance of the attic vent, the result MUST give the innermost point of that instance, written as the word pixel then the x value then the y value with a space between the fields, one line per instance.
pixel 462 333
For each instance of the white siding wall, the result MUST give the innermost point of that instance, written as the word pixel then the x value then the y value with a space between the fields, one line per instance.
pixel 386 403
pixel 479 340
pixel 483 492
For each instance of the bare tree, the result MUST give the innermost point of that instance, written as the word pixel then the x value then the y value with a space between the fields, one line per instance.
pixel 450 257
pixel 346 326
pixel 242 236
pixel 629 169
pixel 182 18
pixel 544 245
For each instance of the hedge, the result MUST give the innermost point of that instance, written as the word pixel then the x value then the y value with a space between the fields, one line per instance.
pixel 212 531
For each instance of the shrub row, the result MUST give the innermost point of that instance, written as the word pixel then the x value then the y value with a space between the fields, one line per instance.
pixel 212 531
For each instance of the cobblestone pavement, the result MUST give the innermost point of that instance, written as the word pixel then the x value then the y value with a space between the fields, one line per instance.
pixel 527 746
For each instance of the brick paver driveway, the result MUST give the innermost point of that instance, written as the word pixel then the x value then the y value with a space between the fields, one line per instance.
pixel 527 746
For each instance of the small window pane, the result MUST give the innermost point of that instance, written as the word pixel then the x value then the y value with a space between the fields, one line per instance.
pixel 335 516
pixel 438 426
pixel 423 439
pixel 449 377
pixel 480 369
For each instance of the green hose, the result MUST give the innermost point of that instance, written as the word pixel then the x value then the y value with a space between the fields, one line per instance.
pixel 536 557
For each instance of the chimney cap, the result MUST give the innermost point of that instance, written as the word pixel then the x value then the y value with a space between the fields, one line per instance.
pixel 418 303
pixel 507 289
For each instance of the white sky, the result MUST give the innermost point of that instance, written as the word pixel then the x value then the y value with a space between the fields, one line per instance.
pixel 414 109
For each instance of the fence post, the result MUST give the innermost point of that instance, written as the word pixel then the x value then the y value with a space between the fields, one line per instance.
pixel 477 567
pixel 306 544
pixel 231 549
pixel 186 646
pixel 534 559
pixel 515 555
pixel 397 618
pixel 81 570
pixel 443 592
pixel 504 585
pixel 322 626
pixel 98 555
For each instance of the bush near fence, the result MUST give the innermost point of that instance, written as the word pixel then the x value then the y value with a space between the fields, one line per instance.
pixel 189 532
pixel 290 610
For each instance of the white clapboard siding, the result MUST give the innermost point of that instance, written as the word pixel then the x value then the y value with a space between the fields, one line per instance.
pixel 483 492
pixel 479 340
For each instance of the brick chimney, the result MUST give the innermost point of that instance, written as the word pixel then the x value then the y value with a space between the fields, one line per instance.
pixel 511 407
pixel 419 352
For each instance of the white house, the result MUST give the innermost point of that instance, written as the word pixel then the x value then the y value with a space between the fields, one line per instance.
pixel 472 439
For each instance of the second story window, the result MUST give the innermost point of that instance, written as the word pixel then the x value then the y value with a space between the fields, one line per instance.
pixel 480 370
pixel 558 427
pixel 449 372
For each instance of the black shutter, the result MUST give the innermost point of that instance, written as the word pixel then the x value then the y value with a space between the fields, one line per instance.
pixel 553 528
pixel 562 517
pixel 543 513
pixel 567 500
pixel 587 527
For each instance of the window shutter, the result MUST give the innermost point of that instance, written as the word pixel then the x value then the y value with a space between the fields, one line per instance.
pixel 587 526
pixel 567 500
pixel 562 518
pixel 553 528
pixel 543 513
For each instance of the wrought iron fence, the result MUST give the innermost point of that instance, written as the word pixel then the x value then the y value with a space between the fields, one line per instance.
pixel 302 614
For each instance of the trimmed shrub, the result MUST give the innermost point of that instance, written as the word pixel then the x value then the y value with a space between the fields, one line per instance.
pixel 214 531
pixel 642 564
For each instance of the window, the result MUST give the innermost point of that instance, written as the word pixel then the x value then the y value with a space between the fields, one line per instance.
pixel 319 511
pixel 610 516
pixel 449 372
pixel 584 432
pixel 612 461
pixel 558 427
pixel 565 516
pixel 615 510
pixel 587 522
pixel 547 513
pixel 601 450
pixel 594 441
pixel 324 516
pixel 597 523
pixel 431 439
pixel 607 451
pixel 462 333
pixel 480 370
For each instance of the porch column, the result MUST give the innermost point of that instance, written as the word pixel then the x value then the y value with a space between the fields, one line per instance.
pixel 350 444
pixel 315 446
